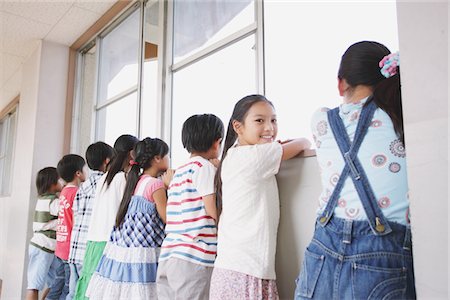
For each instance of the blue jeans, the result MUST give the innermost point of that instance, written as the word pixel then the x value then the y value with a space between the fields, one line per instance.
pixel 58 290
pixel 75 271
pixel 345 260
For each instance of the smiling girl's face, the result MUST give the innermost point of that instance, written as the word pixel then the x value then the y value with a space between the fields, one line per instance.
pixel 259 126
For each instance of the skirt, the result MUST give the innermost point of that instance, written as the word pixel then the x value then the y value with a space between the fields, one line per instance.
pixel 227 285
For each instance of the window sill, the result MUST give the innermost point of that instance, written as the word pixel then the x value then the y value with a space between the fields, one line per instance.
pixel 307 153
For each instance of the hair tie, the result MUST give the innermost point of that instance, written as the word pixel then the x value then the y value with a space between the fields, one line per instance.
pixel 132 163
pixel 389 64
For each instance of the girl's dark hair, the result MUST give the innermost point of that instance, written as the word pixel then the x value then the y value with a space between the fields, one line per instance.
pixel 123 145
pixel 360 66
pixel 240 111
pixel 144 151
pixel 45 179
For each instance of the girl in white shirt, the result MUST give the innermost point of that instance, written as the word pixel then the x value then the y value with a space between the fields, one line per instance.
pixel 248 193
pixel 109 192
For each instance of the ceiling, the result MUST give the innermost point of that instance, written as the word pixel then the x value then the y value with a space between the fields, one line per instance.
pixel 24 23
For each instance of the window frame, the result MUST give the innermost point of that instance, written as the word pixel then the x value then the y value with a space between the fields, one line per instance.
pixel 11 111
pixel 256 28
pixel 166 67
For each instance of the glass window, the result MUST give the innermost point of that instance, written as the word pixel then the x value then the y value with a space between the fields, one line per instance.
pixel 117 103
pixel 7 140
pixel 304 42
pixel 119 55
pixel 212 85
pixel 117 118
pixel 198 23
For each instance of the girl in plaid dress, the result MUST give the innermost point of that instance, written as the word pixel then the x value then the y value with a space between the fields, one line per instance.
pixel 127 269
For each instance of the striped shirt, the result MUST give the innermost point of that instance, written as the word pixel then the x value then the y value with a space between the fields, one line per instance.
pixel 190 233
pixel 45 222
pixel 82 211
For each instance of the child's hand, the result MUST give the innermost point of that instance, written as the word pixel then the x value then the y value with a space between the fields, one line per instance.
pixel 215 162
pixel 167 177
pixel 294 147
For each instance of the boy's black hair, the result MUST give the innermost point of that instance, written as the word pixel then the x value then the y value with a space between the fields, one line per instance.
pixel 200 132
pixel 97 153
pixel 69 165
pixel 45 179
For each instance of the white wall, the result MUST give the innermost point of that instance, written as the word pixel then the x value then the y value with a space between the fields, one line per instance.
pixel 423 36
pixel 39 143
pixel 299 188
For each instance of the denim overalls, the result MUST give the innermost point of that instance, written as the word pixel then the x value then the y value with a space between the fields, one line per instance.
pixel 349 259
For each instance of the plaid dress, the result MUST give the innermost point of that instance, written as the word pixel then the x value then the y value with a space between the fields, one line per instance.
pixel 127 269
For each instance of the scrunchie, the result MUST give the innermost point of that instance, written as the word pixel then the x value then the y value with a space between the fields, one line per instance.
pixel 389 64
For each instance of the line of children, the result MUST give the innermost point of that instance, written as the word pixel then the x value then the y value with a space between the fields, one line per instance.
pixel 187 257
pixel 127 269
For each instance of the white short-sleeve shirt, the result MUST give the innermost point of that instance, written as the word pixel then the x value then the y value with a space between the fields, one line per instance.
pixel 105 205
pixel 248 225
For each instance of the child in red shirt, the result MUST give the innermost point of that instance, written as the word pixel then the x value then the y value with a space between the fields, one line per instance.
pixel 72 168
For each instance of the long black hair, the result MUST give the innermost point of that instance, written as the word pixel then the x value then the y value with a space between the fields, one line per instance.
pixel 144 151
pixel 123 145
pixel 360 66
pixel 240 111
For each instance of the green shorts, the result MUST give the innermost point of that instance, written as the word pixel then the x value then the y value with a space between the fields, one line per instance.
pixel 94 251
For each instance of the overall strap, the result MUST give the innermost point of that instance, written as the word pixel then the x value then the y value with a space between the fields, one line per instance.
pixel 355 170
pixel 142 186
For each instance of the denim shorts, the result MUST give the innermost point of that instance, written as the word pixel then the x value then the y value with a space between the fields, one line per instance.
pixel 345 260
pixel 39 262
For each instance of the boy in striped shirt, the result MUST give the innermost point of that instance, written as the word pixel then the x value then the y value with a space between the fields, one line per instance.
pixel 189 249
pixel 41 256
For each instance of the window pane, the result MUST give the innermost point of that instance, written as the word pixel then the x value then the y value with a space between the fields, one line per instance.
pixel 149 102
pixel 212 85
pixel 7 140
pixel 117 118
pixel 119 59
pixel 200 23
pixel 6 188
pixel 304 42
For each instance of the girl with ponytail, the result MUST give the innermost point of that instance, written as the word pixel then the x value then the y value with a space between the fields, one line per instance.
pixel 361 247
pixel 108 193
pixel 248 194
pixel 128 266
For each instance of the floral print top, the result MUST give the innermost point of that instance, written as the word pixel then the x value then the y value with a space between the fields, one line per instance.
pixel 382 154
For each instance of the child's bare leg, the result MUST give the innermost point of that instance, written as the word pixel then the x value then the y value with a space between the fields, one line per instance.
pixel 32 295
pixel 45 293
